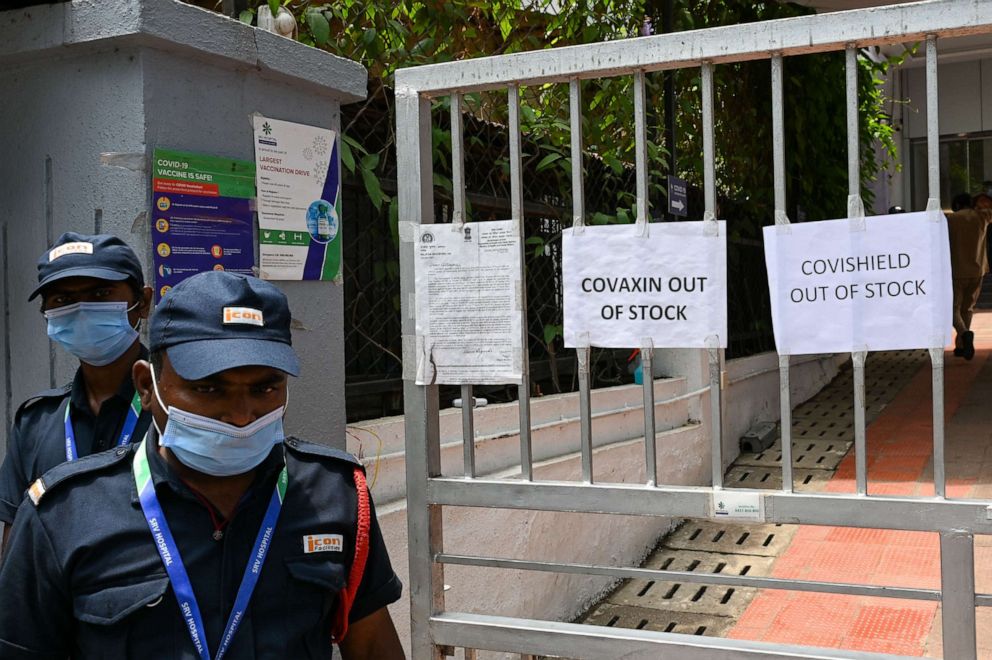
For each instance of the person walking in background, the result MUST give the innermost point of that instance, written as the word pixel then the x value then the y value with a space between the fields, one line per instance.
pixel 967 228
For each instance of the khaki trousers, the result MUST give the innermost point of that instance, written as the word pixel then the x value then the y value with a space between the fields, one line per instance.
pixel 966 291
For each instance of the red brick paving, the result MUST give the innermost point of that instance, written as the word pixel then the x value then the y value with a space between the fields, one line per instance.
pixel 900 444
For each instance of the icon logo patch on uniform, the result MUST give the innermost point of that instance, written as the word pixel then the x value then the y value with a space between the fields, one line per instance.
pixel 243 315
pixel 78 247
pixel 36 490
pixel 323 543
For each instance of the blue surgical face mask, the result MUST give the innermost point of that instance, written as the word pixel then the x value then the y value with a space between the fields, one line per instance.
pixel 95 332
pixel 217 448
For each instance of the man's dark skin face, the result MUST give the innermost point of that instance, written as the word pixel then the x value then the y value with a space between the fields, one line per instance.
pixel 101 382
pixel 71 290
pixel 239 396
pixel 236 396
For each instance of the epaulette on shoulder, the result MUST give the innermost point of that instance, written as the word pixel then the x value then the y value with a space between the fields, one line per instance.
pixel 315 449
pixel 66 472
pixel 54 393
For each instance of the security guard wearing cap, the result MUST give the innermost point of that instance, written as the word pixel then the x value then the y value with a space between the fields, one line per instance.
pixel 214 535
pixel 93 297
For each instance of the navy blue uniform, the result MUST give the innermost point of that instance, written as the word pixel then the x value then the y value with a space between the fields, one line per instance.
pixel 84 579
pixel 36 442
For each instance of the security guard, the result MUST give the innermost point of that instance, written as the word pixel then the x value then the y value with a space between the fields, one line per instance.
pixel 93 297
pixel 214 535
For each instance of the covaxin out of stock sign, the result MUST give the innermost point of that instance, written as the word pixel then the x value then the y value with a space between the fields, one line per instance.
pixel 669 287
pixel 867 284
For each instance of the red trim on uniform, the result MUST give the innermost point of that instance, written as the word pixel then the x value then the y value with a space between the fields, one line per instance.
pixel 347 596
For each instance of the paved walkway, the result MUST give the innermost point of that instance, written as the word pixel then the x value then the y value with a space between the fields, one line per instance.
pixel 899 463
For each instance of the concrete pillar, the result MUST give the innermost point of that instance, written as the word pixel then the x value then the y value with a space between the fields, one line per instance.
pixel 85 78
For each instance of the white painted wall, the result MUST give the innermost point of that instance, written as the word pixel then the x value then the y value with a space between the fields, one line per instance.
pixel 683 459
pixel 753 392
pixel 960 103
pixel 964 104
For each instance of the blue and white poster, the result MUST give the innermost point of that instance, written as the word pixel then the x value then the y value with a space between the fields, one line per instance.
pixel 298 178
pixel 201 216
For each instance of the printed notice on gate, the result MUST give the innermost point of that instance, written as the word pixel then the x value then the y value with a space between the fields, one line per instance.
pixel 670 287
pixel 868 284
pixel 468 304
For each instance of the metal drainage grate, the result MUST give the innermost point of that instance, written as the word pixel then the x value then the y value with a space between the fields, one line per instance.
pixel 822 433
pixel 706 536
pixel 642 618
pixel 822 430
pixel 818 458
pixel 749 476
pixel 668 595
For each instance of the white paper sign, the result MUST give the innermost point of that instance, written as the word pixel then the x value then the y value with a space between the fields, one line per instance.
pixel 670 287
pixel 873 284
pixel 468 305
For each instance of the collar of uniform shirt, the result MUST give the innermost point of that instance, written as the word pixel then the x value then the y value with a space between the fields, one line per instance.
pixel 81 404
pixel 163 475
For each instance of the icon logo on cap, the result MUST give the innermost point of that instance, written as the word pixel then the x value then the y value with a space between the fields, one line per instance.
pixel 69 248
pixel 243 315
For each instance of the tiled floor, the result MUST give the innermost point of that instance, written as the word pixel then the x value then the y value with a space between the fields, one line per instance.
pixel 899 463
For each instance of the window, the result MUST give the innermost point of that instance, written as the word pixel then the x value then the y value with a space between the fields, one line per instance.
pixel 965 163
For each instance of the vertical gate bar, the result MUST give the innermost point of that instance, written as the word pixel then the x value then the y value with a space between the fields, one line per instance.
pixel 778 134
pixel 854 192
pixel 853 143
pixel 423 449
pixel 517 213
pixel 457 160
pixel 468 430
pixel 582 354
pixel 716 426
pixel 458 216
pixel 785 412
pixel 575 122
pixel 709 170
pixel 709 195
pixel 781 217
pixel 937 378
pixel 647 379
pixel 933 186
pixel 933 123
pixel 957 586
pixel 643 213
pixel 860 453
pixel 585 412
pixel 641 147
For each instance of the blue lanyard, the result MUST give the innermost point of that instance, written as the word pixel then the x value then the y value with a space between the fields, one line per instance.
pixel 169 552
pixel 133 412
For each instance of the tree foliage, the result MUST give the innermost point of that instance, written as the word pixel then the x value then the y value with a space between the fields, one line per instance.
pixel 385 36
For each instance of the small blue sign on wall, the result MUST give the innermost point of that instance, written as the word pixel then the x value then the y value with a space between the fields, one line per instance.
pixel 678 203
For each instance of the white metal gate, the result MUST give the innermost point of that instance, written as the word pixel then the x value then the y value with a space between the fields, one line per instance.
pixel 434 629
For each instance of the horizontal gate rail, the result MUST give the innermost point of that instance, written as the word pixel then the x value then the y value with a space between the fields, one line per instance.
pixel 791 36
pixel 582 642
pixel 838 510
pixel 748 581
